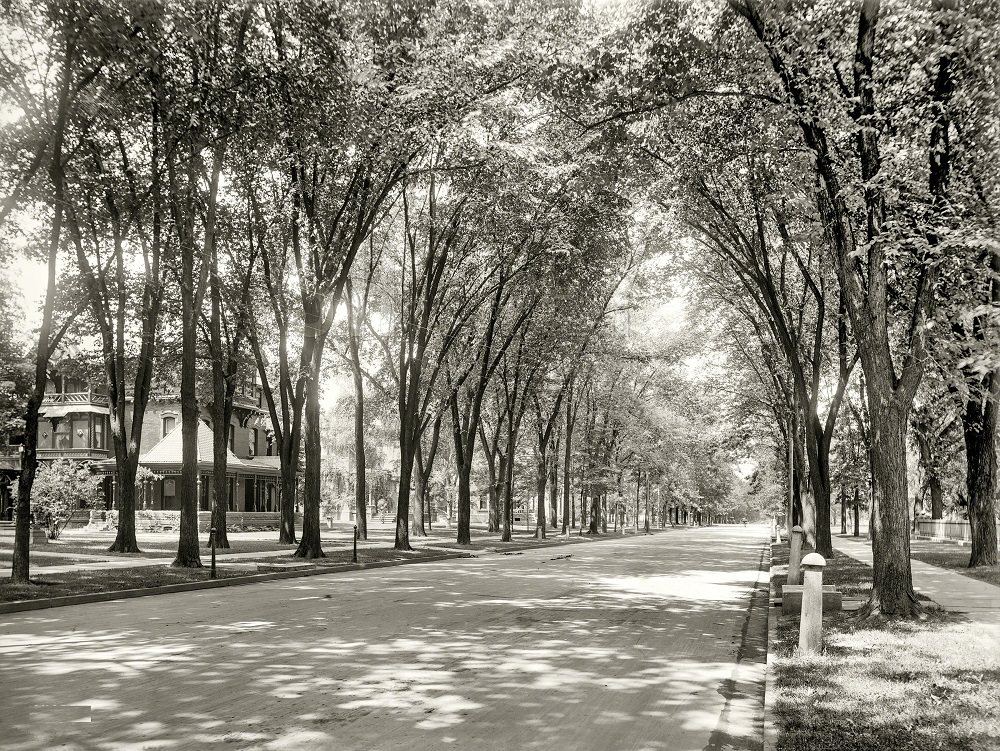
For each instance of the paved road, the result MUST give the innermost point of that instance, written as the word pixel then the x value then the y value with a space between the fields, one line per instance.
pixel 643 643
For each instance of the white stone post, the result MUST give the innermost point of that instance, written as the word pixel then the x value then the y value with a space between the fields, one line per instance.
pixel 811 621
pixel 795 556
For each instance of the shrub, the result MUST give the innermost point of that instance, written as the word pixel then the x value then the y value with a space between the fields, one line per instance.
pixel 61 487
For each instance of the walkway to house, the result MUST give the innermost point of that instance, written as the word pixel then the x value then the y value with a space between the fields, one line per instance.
pixel 979 600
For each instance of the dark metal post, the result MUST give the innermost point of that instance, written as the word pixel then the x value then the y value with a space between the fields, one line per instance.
pixel 211 537
pixel 354 557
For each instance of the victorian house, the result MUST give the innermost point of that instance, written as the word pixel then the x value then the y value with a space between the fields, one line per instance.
pixel 74 424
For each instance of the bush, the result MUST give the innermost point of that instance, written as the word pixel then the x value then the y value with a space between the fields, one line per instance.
pixel 61 487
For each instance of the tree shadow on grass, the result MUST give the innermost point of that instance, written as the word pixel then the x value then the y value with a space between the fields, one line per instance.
pixel 903 685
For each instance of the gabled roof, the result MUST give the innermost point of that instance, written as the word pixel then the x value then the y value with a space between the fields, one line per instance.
pixel 167 455
pixel 169 449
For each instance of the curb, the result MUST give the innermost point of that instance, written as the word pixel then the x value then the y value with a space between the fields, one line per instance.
pixel 770 677
pixel 19 606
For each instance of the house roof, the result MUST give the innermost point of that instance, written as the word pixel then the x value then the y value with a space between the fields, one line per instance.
pixel 169 448
pixel 166 456
pixel 169 451
pixel 263 462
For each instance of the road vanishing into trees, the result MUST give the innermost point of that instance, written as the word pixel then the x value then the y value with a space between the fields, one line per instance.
pixel 648 642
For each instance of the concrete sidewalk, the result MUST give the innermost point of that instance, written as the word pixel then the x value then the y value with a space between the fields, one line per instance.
pixel 952 591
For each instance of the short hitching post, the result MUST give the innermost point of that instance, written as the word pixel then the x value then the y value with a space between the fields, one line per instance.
pixel 795 556
pixel 211 539
pixel 354 557
pixel 811 620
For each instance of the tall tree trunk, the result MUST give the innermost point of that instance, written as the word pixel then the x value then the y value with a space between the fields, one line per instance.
pixel 496 493
pixel 638 490
pixel 187 544
pixel 220 418
pixel 310 545
pixel 417 525
pixel 857 512
pixel 360 461
pixel 20 570
pixel 892 592
pixel 979 424
pixel 931 479
pixel 126 468
pixel 646 520
pixel 554 487
pixel 541 479
pixel 594 513
pixel 818 450
pixel 568 520
pixel 508 488
pixel 804 505
pixel 286 496
pixel 407 444
pixel 192 292
pixel 493 512
pixel 843 508
pixel 863 276
pixel 462 430
pixel 465 509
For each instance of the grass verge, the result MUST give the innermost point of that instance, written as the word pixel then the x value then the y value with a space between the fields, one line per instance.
pixel 904 686
pixel 76 547
pixel 109 580
pixel 115 580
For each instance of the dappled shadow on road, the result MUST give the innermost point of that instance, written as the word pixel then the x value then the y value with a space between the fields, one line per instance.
pixel 609 648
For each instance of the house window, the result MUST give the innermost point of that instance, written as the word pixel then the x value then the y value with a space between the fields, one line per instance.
pixel 169 422
pixel 64 435
pixel 98 432
pixel 81 432
pixel 45 436
pixel 253 442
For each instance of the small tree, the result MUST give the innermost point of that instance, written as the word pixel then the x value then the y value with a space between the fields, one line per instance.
pixel 59 489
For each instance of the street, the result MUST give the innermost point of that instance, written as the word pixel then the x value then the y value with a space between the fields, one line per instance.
pixel 648 642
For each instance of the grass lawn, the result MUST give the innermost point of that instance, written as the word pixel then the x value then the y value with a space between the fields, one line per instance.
pixel 111 580
pixel 914 686
pixel 108 580
pixel 71 546
pixel 340 555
